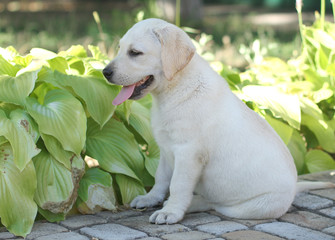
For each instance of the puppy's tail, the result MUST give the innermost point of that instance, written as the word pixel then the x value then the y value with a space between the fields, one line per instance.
pixel 305 186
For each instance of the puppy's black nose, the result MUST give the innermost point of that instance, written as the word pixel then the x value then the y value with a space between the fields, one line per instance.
pixel 108 73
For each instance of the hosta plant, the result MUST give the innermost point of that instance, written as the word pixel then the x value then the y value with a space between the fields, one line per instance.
pixel 297 97
pixel 55 109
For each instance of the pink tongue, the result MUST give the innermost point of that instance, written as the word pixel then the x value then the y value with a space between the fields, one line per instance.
pixel 124 94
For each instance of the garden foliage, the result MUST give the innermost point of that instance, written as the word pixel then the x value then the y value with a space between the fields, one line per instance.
pixel 54 110
pixel 297 97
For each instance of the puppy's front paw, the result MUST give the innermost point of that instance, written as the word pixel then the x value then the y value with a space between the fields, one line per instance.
pixel 166 217
pixel 145 201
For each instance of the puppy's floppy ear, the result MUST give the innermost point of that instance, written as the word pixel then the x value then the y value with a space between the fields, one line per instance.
pixel 177 49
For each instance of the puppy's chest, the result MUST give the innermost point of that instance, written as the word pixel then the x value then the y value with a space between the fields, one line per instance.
pixel 170 130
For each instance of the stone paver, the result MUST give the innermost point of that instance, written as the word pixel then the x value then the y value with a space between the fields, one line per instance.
pixel 63 236
pixel 249 234
pixel 329 211
pixel 308 219
pixel 291 231
pixel 327 193
pixel 192 235
pixel 82 221
pixel 311 217
pixel 222 227
pixel 112 231
pixel 311 202
pixel 195 219
pixel 42 229
pixel 142 223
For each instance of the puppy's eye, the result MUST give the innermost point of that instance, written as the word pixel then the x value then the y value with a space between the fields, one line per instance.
pixel 134 53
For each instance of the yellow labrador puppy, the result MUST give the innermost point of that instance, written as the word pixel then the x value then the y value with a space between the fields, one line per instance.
pixel 216 153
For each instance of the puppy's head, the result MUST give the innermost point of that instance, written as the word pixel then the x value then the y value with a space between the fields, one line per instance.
pixel 151 52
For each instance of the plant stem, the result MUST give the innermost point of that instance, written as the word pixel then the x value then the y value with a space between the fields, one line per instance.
pixel 298 7
pixel 102 36
pixel 178 13
pixel 323 10
pixel 333 3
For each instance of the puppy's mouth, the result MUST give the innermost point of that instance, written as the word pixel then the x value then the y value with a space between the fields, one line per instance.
pixel 133 91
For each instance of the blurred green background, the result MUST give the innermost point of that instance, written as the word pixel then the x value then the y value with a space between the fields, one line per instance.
pixel 58 24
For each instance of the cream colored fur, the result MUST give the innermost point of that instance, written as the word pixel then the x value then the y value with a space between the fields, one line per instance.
pixel 216 153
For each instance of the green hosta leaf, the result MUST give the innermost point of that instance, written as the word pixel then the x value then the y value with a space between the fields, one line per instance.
pixel 331 69
pixel 51 217
pixel 75 50
pixel 96 53
pixel 323 132
pixel 18 209
pixel 42 54
pixel 16 89
pixel 24 148
pixel 123 111
pixel 129 188
pixel 321 59
pixel 322 94
pixel 97 94
pixel 76 66
pixel 114 147
pixel 283 130
pixel 94 68
pixel 61 116
pixel 281 104
pixel 24 120
pixel 7 68
pixel 23 61
pixel 310 108
pixel 297 147
pixel 59 64
pixel 96 191
pixel 317 161
pixel 324 38
pixel 139 119
pixel 56 150
pixel 152 157
pixel 54 183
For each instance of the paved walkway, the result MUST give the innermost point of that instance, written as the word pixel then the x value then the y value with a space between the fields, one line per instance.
pixel 312 217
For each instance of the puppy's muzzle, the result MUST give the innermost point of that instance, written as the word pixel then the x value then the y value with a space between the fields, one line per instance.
pixel 108 73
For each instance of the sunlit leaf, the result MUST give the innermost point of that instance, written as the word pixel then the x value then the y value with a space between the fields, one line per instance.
pixel 75 50
pixel 7 68
pixel 323 132
pixel 283 130
pixel 59 64
pixel 281 104
pixel 18 209
pixel 42 54
pixel 96 53
pixel 61 116
pixel 114 147
pixel 129 188
pixel 97 94
pixel 16 89
pixel 24 148
pixel 317 161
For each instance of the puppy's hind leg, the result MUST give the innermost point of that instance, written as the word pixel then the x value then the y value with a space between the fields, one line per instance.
pixel 199 204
